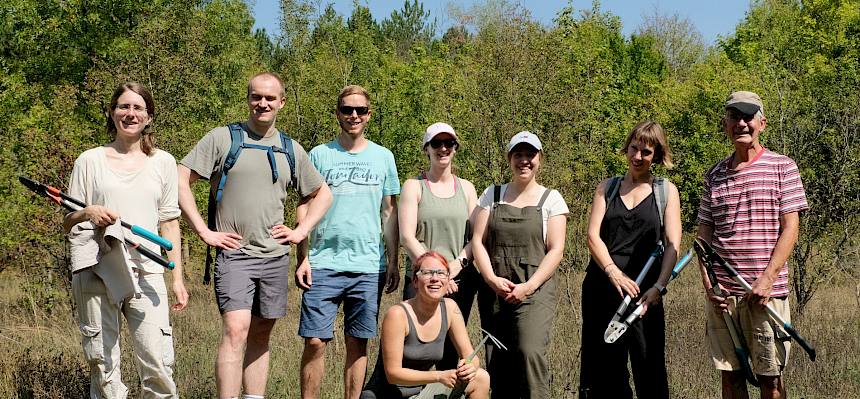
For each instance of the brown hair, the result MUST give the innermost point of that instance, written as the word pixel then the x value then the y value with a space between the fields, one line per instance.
pixel 268 75
pixel 147 140
pixel 350 90
pixel 416 266
pixel 651 133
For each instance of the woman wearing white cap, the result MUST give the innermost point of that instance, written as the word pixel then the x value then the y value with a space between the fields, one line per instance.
pixel 433 215
pixel 518 243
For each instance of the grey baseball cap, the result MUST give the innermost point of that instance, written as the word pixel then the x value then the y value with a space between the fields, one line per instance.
pixel 745 101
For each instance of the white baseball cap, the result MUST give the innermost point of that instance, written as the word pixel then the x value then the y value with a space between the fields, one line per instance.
pixel 525 137
pixel 436 129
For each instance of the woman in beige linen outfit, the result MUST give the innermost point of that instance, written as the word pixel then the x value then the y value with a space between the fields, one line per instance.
pixel 131 179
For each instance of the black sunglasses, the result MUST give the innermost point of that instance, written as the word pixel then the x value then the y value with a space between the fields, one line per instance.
pixel 450 143
pixel 347 110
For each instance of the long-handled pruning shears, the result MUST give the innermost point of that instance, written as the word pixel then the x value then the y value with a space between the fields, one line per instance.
pixel 706 256
pixel 73 204
pixel 615 324
pixel 619 329
pixel 789 328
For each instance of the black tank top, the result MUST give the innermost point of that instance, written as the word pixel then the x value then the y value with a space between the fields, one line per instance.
pixel 631 236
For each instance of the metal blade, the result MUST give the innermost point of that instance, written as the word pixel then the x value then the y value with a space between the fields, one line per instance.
pixel 614 330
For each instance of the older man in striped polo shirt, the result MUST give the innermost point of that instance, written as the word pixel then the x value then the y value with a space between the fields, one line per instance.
pixel 749 212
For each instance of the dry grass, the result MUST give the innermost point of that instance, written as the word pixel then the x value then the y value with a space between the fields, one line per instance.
pixel 42 356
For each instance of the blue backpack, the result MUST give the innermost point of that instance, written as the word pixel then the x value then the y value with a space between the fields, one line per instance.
pixel 237 143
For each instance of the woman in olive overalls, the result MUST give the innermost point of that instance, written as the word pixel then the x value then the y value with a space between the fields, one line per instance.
pixel 518 243
pixel 623 231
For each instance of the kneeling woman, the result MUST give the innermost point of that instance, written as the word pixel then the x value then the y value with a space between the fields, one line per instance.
pixel 413 340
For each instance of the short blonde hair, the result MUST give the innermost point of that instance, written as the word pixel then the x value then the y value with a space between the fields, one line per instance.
pixel 651 133
pixel 350 90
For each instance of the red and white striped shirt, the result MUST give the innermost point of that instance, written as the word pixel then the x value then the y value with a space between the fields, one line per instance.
pixel 743 206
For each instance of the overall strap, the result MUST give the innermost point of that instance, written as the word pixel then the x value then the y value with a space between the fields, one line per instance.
pixel 546 193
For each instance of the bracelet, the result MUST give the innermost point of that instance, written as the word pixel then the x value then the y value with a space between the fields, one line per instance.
pixel 607 266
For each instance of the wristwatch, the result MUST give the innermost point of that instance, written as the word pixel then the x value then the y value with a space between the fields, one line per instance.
pixel 660 288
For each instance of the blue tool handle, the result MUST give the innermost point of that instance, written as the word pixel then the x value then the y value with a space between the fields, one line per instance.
pixel 162 242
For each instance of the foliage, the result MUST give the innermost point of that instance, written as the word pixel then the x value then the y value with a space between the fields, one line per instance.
pixel 579 83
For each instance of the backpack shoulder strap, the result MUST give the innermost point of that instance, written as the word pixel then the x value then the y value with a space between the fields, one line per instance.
pixel 612 188
pixel 497 194
pixel 287 145
pixel 659 188
pixel 237 138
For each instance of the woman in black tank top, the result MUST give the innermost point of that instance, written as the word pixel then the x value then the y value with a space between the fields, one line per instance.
pixel 623 231
pixel 413 341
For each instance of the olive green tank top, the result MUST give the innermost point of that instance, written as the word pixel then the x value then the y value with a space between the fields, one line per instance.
pixel 442 222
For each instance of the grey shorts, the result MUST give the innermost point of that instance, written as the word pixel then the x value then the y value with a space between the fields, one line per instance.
pixel 243 282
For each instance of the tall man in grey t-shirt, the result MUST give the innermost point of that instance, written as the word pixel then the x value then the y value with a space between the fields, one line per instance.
pixel 252 262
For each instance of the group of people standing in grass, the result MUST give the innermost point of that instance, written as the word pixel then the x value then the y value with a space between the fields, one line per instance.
pixel 500 248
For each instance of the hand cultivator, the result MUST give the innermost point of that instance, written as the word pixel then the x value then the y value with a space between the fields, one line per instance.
pixel 72 204
pixel 617 330
pixel 616 327
pixel 459 390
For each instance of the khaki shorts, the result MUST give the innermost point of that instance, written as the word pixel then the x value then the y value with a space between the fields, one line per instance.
pixel 768 354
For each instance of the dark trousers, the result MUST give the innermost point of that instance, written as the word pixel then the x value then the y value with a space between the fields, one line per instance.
pixel 603 369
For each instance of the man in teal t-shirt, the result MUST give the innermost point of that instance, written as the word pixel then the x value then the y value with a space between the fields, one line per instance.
pixel 347 262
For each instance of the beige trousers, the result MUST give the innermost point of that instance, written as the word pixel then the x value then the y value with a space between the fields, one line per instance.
pixel 148 324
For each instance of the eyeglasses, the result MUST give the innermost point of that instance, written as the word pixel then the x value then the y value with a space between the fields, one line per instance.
pixel 137 109
pixel 428 273
pixel 347 110
pixel 737 116
pixel 450 143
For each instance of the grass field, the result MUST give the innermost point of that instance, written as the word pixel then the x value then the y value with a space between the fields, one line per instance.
pixel 41 354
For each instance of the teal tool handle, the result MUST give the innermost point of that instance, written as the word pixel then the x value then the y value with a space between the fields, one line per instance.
pixel 681 264
pixel 162 242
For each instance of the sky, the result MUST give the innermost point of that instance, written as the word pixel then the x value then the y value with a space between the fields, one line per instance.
pixel 711 18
